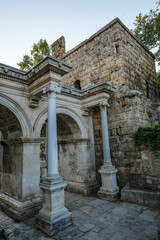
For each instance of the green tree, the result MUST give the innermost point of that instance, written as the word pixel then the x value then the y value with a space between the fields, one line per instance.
pixel 39 51
pixel 147 30
pixel 27 63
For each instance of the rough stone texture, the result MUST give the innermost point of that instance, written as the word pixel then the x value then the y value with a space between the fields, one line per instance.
pixel 114 55
pixel 92 219
pixel 128 110
pixel 75 163
pixel 58 47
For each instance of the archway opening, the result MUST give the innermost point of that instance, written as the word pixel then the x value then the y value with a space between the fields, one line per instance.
pixel 10 151
pixel 69 147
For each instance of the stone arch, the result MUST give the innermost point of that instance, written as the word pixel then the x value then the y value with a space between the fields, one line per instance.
pixel 73 146
pixel 60 110
pixel 9 124
pixel 17 111
pixel 14 124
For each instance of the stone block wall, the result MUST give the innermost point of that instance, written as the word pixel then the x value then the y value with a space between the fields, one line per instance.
pixel 114 55
pixel 138 65
pixel 128 110
pixel 97 59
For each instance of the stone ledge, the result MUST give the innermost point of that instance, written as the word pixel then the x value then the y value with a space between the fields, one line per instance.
pixel 142 197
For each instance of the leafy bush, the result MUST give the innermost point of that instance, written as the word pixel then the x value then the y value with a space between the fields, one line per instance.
pixel 149 137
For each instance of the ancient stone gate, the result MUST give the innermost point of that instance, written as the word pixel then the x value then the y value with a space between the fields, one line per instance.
pixel 27 100
pixel 112 73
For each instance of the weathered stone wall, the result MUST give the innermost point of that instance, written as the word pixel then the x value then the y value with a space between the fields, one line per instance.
pixel 70 160
pixel 58 47
pixel 145 171
pixel 130 110
pixel 115 56
pixel 138 66
pixel 96 60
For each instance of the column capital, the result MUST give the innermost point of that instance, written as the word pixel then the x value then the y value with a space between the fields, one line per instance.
pixel 104 104
pixel 52 89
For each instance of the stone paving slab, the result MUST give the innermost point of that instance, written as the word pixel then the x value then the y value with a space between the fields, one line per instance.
pixel 93 219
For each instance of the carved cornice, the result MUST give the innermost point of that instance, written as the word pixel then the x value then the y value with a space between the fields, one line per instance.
pixel 47 64
pixel 4 76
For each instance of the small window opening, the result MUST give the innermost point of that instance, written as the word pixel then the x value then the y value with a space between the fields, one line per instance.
pixel 147 89
pixel 77 84
pixel 117 48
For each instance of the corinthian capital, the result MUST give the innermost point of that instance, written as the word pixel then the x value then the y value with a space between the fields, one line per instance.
pixel 104 104
pixel 52 89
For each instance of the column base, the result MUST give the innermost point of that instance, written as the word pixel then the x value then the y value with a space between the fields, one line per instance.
pixel 59 220
pixel 83 188
pixel 53 217
pixel 19 210
pixel 109 190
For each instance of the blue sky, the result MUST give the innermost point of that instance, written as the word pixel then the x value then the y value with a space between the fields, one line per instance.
pixel 23 22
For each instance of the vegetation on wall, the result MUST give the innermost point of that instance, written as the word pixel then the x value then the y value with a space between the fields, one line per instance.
pixel 149 137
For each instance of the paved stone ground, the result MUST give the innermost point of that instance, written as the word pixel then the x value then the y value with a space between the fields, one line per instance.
pixel 93 219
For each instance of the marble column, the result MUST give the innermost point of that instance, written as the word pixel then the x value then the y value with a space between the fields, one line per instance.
pixel 109 189
pixel 53 216
pixel 52 136
pixel 105 136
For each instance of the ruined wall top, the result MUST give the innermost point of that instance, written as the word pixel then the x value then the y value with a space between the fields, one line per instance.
pixel 58 47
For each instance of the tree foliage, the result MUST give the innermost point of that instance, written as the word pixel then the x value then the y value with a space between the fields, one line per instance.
pixel 39 51
pixel 147 30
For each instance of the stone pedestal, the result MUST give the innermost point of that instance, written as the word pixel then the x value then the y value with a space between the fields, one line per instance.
pixel 53 217
pixel 19 210
pixel 109 190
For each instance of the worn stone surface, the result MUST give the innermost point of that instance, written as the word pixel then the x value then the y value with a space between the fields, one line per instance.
pixel 137 168
pixel 58 47
pixel 112 55
pixel 92 219
pixel 115 56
